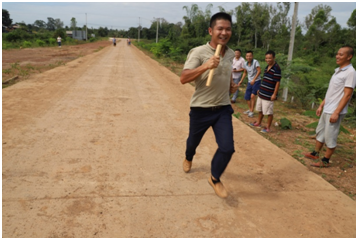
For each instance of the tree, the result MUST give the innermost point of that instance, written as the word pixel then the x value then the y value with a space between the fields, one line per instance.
pixel 309 19
pixel 260 19
pixel 58 23
pixel 103 32
pixel 50 24
pixel 73 23
pixel 352 20
pixel 243 17
pixel 316 32
pixel 6 20
pixel 39 24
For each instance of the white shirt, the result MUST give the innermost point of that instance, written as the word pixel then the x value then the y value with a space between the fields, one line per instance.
pixel 59 39
pixel 345 77
pixel 238 64
pixel 252 70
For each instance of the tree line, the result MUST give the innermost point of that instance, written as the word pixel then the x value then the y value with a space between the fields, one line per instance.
pixel 258 27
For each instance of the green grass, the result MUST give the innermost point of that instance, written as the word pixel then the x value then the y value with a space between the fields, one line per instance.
pixel 310 113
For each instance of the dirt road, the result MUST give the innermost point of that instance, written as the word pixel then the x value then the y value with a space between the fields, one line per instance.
pixel 95 149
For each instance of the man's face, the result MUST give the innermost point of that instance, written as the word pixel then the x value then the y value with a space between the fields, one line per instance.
pixel 269 59
pixel 249 57
pixel 221 32
pixel 237 54
pixel 343 57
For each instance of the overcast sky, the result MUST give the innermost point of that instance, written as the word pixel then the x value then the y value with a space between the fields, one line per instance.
pixel 123 15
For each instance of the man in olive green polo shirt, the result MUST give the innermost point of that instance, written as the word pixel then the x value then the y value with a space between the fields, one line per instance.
pixel 210 105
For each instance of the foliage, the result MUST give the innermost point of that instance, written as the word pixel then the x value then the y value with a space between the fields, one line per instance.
pixel 285 123
pixel 52 41
pixel 40 43
pixel 310 113
pixel 26 44
pixel 6 20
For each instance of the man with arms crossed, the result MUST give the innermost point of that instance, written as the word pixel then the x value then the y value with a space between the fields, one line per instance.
pixel 334 107
pixel 210 105
pixel 237 69
pixel 252 70
pixel 267 93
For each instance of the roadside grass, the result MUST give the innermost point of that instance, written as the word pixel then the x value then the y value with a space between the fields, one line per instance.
pixel 21 72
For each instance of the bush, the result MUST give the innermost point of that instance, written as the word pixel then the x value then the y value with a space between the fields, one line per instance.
pixel 285 123
pixel 26 44
pixel 18 35
pixel 40 42
pixel 52 41
pixel 92 39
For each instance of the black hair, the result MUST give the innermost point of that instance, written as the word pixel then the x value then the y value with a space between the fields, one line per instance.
pixel 238 49
pixel 219 16
pixel 350 51
pixel 270 52
pixel 250 52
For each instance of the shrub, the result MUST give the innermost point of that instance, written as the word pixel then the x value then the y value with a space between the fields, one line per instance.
pixel 52 41
pixel 26 44
pixel 285 123
pixel 92 39
pixel 40 42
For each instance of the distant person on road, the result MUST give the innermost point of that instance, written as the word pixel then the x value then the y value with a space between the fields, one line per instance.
pixel 334 106
pixel 128 41
pixel 252 70
pixel 268 90
pixel 237 69
pixel 210 105
pixel 114 41
pixel 59 41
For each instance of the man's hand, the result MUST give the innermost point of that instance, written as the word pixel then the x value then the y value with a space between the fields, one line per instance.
pixel 319 111
pixel 273 97
pixel 213 62
pixel 334 118
pixel 234 87
pixel 252 83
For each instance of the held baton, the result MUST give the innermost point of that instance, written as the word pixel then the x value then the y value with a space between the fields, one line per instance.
pixel 211 73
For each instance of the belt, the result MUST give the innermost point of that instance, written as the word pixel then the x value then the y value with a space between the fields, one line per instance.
pixel 215 108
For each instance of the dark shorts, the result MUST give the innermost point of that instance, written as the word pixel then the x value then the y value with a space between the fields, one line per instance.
pixel 252 89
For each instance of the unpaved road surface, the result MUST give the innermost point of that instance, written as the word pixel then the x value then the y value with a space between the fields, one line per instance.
pixel 95 149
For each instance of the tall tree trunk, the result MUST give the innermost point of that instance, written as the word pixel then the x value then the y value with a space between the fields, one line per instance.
pixel 255 38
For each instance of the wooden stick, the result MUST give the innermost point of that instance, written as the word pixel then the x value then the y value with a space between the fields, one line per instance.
pixel 211 73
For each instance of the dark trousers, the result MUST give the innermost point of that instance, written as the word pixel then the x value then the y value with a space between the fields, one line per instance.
pixel 221 122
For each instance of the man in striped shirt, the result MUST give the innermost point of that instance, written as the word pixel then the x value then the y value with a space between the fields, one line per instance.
pixel 268 90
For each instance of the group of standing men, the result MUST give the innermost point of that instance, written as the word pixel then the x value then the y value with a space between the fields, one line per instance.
pixel 266 89
pixel 210 106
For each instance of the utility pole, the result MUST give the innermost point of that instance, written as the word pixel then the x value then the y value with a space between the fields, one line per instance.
pixel 86 28
pixel 157 30
pixel 290 49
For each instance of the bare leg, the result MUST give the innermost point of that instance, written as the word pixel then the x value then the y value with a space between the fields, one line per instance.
pixel 319 146
pixel 269 121
pixel 252 102
pixel 261 116
pixel 329 152
pixel 249 104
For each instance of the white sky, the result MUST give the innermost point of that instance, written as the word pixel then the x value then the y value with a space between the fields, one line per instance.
pixel 123 15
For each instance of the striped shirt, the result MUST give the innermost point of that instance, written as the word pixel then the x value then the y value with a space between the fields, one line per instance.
pixel 268 84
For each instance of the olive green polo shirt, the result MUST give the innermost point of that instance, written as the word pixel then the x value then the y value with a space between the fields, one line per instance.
pixel 217 94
